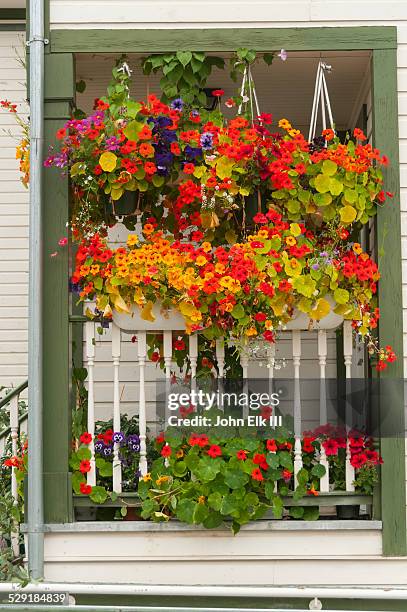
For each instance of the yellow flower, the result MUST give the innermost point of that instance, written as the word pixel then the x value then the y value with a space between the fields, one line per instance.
pixel 161 480
pixel 268 324
pixel 147 477
pixel 200 260
pixel 290 240
pixel 251 331
pixel 201 499
pixel 84 270
pixel 294 133
pixel 219 268
pixel 94 269
pixel 179 454
pixel 285 124
pixel 132 239
pixel 206 247
pixel 357 248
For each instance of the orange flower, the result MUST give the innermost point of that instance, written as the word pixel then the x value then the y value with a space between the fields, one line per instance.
pixel 145 133
pixel 328 134
pixel 358 134
pixel 150 168
pixel 146 150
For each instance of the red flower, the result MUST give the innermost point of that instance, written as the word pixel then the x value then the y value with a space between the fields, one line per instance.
pixel 203 440
pixel 257 475
pixel 175 148
pixel 194 440
pixel 218 93
pixel 214 451
pixel 189 168
pixel 61 133
pixel 330 446
pixel 160 439
pixel 85 489
pixel 86 438
pixel 241 455
pixel 268 335
pixel 358 461
pixel 166 451
pixel 179 345
pixel 358 134
pixel 260 316
pixel 150 168
pixel 97 170
pixel 287 475
pixel 155 357
pixel 84 466
pixel 271 446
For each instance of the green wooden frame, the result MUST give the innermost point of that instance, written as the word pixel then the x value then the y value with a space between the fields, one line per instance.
pixel 12 13
pixel 382 42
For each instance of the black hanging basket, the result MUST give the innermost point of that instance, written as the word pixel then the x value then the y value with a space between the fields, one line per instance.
pixel 125 206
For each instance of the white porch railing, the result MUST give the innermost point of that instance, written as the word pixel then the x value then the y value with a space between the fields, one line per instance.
pixel 141 362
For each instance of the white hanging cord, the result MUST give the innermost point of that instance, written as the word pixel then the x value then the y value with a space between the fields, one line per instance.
pixel 248 81
pixel 239 110
pixel 321 98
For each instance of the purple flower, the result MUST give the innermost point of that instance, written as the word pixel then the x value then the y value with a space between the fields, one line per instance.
pixel 192 153
pixel 323 254
pixel 177 104
pixel 107 451
pixel 112 143
pixel 118 437
pixel 134 447
pixel 283 55
pixel 206 141
pixel 99 447
pixel 315 266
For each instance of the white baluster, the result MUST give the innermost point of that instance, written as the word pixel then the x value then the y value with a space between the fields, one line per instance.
pixel 271 350
pixel 296 339
pixel 142 353
pixel 347 356
pixel 220 358
pixel 117 466
pixel 167 348
pixel 14 486
pixel 90 362
pixel 193 359
pixel 244 362
pixel 323 415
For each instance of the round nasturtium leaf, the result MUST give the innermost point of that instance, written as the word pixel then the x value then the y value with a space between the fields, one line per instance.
pixel 321 310
pixel 107 161
pixel 329 167
pixel 341 296
pixel 348 214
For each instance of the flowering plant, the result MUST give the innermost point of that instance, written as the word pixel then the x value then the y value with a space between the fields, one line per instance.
pixel 23 148
pixel 209 481
pixel 243 291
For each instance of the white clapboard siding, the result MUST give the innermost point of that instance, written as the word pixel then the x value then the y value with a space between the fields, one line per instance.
pixel 13 220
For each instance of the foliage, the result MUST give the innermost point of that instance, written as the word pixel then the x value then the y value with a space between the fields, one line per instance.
pixel 23 148
pixel 235 480
pixel 184 74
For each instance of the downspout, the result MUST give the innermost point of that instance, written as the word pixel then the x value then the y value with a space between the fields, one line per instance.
pixel 35 504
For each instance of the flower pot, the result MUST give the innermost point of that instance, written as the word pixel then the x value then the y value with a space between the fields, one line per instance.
pixel 302 320
pixel 165 319
pixel 126 205
pixel 347 512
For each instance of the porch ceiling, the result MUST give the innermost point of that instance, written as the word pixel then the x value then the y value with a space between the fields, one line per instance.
pixel 285 89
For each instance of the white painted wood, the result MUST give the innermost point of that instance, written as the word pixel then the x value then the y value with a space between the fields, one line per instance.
pixel 90 364
pixel 117 466
pixel 142 354
pixel 167 350
pixel 296 340
pixel 13 211
pixel 323 416
pixel 347 355
pixel 14 485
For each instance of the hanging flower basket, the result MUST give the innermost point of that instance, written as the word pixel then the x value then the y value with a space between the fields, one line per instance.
pixel 303 321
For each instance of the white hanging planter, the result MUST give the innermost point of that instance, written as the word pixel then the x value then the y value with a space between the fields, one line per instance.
pixel 165 319
pixel 302 320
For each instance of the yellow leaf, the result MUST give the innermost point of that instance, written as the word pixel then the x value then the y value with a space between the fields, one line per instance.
pixel 199 171
pixel 321 309
pixel 89 313
pixel 244 191
pixel 147 312
pixel 224 167
pixel 107 161
pixel 348 214
pixel 186 308
pixel 209 219
pixel 277 305
pixel 295 229
pixel 119 303
pixel 107 311
pixel 116 194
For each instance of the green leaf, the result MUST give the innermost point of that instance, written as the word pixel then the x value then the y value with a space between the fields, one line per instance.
pixel 341 296
pixel 80 86
pixel 158 181
pixel 335 187
pixel 329 167
pixel 318 470
pixel 201 511
pixel 133 108
pixel 185 511
pixel 83 453
pixel 179 469
pixel 268 58
pixel 286 460
pixel 273 460
pixel 235 479
pixel 296 512
pixel 132 129
pixel 213 520
pixel 277 507
pixel 98 495
pixel 105 467
pixel 302 476
pixel 311 513
pixel 238 311
pixel 322 183
pixel 184 57
pixel 215 500
pixel 77 479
